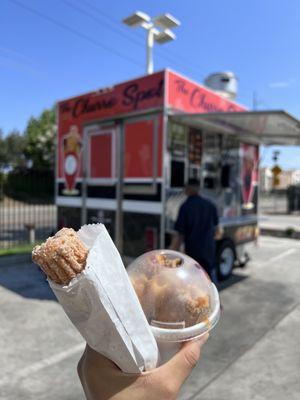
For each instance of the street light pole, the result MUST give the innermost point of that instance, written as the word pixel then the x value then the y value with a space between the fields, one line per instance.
pixel 149 59
pixel 158 30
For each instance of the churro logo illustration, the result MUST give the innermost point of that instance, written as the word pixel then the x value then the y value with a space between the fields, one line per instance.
pixel 249 173
pixel 72 149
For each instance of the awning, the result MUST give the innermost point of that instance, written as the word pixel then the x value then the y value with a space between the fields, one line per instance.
pixel 263 127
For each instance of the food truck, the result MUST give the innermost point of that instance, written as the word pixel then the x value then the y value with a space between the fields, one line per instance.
pixel 125 152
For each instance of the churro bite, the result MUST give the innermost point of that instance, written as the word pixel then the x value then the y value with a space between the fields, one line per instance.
pixel 62 256
pixel 172 288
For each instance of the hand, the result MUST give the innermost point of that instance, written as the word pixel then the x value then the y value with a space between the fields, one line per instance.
pixel 102 379
pixel 176 242
pixel 219 233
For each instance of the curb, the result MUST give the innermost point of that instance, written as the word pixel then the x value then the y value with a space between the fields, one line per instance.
pixel 15 259
pixel 280 233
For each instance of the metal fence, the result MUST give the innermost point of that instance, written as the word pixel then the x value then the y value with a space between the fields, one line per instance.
pixel 273 202
pixel 27 210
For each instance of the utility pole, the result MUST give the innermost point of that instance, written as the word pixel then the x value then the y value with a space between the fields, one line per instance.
pixel 254 100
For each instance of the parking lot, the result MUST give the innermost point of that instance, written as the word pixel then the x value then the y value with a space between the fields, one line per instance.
pixel 253 353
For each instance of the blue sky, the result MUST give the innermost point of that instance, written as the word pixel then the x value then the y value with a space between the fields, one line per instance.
pixel 42 60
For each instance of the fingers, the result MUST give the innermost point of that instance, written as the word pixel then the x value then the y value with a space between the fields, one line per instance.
pixel 80 367
pixel 182 364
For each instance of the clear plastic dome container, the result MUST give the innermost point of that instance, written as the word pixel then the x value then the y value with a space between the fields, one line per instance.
pixel 177 296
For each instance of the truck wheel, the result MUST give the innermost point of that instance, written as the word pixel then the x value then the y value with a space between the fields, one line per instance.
pixel 225 259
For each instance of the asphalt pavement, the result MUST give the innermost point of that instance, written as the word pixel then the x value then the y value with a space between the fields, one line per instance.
pixel 280 222
pixel 253 353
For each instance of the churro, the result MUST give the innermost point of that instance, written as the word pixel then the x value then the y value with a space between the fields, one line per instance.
pixel 62 256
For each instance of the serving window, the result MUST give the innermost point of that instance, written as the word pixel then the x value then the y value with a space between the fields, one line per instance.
pixel 101 151
pixel 185 150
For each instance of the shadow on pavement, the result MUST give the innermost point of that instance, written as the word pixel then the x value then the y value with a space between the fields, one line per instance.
pixel 27 280
pixel 232 280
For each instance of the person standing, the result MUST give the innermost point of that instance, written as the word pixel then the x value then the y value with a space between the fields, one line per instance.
pixel 197 226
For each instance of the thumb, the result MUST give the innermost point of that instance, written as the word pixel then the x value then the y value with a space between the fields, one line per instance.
pixel 182 364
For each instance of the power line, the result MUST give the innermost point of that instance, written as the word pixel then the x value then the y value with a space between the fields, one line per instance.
pixel 91 39
pixel 162 53
pixel 74 31
pixel 102 22
pixel 110 18
pixel 257 101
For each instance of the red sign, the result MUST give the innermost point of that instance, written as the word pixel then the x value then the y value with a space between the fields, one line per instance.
pixel 129 97
pixel 187 96
pixel 249 173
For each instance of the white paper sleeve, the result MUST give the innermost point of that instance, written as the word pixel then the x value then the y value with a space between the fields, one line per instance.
pixel 103 306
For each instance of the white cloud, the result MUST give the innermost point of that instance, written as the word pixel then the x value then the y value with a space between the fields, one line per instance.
pixel 282 84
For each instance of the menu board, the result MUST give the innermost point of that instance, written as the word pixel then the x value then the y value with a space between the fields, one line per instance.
pixel 195 146
pixel 177 140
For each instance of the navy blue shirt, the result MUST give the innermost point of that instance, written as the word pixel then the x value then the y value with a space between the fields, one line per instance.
pixel 196 221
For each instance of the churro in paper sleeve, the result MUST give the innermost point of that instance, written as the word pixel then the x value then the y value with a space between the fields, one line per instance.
pixel 87 275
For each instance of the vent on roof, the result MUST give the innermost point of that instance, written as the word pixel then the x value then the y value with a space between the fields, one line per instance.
pixel 224 83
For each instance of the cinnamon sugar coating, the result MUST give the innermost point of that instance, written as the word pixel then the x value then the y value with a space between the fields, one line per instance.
pixel 62 256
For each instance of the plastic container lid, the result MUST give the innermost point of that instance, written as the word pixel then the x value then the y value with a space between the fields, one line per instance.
pixel 177 296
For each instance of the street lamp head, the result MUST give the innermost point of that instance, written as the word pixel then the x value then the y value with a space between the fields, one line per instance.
pixel 164 36
pixel 166 21
pixel 137 19
pixel 158 30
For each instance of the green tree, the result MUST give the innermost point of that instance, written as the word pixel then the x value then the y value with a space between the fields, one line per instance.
pixel 15 145
pixel 12 148
pixel 40 137
pixel 3 155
